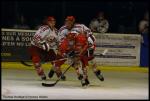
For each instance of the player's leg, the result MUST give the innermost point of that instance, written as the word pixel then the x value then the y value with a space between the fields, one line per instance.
pixel 57 69
pixel 78 67
pixel 39 69
pixel 92 62
pixel 85 80
pixel 96 71
pixel 51 56
pixel 36 59
pixel 51 72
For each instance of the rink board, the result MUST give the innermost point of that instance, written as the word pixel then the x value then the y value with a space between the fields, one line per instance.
pixel 18 65
pixel 122 49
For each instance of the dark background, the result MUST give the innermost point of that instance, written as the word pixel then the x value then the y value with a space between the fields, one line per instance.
pixel 127 13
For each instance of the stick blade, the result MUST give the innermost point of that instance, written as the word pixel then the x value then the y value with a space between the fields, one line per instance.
pixel 48 85
pixel 24 63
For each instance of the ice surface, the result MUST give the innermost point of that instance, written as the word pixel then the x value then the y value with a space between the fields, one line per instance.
pixel 25 84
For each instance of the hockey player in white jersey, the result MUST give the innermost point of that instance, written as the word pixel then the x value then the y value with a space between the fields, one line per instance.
pixel 43 46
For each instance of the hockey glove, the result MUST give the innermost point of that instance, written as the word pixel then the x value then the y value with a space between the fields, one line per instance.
pixel 71 54
pixel 45 46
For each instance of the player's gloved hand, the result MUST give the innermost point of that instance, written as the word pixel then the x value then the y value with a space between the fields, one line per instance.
pixel 45 46
pixel 71 54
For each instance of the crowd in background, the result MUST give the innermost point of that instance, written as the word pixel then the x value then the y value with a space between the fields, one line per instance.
pixel 102 17
pixel 99 24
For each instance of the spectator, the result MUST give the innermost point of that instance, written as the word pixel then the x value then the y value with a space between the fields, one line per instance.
pixel 143 29
pixel 21 23
pixel 99 24
pixel 144 24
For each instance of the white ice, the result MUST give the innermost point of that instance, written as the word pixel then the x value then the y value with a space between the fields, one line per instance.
pixel 25 84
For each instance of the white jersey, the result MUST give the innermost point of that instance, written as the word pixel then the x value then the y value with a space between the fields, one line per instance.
pixel 47 35
pixel 78 28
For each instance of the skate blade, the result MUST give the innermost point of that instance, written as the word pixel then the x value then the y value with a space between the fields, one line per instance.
pixel 85 86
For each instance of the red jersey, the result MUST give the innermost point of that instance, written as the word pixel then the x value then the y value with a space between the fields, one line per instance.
pixel 66 46
pixel 81 43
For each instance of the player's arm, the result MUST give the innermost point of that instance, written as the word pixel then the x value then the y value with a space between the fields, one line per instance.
pixel 61 33
pixel 86 30
pixel 85 45
pixel 62 48
pixel 39 39
pixel 84 49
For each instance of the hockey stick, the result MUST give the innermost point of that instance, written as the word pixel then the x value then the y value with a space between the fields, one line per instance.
pixel 102 54
pixel 53 84
pixel 24 63
pixel 29 65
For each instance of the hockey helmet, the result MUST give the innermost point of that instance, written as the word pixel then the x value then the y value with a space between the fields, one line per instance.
pixel 50 18
pixel 70 18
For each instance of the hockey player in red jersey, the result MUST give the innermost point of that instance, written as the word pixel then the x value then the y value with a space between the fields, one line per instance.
pixel 70 26
pixel 43 46
pixel 81 46
pixel 75 46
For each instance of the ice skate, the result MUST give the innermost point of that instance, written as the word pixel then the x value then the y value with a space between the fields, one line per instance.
pixel 85 82
pixel 63 77
pixel 99 75
pixel 51 73
pixel 43 77
pixel 80 77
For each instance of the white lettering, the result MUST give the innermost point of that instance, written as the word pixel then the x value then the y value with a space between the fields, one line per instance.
pixel 7 38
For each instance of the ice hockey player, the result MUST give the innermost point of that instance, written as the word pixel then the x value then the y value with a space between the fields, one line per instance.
pixel 43 45
pixel 70 26
pixel 72 47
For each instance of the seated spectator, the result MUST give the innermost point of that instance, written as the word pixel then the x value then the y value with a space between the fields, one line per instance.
pixel 99 24
pixel 21 23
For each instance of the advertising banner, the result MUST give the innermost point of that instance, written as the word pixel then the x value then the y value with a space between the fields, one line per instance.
pixel 122 49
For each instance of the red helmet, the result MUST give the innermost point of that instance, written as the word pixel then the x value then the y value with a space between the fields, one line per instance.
pixel 70 18
pixel 50 18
